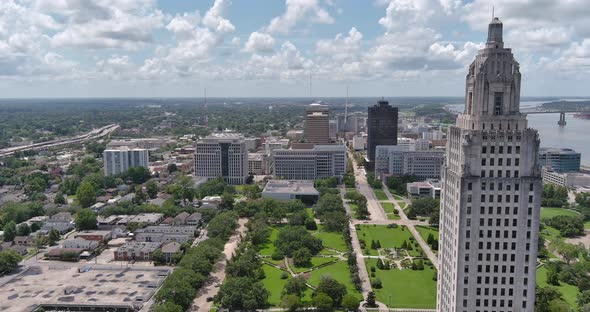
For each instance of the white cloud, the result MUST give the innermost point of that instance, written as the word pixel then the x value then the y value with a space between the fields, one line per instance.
pixel 259 42
pixel 214 18
pixel 297 11
pixel 114 24
pixel 341 47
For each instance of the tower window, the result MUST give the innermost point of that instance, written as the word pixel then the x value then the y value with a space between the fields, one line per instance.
pixel 498 101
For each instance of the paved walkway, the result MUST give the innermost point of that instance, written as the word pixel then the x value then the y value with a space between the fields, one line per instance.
pixel 209 290
pixel 411 226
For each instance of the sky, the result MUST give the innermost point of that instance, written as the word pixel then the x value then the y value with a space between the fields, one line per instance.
pixel 274 48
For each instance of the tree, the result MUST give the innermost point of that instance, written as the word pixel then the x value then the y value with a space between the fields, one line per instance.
pixel 332 288
pixel 158 257
pixel 371 299
pixel 35 227
pixel 9 231
pixel 59 199
pixel 243 293
pixel 138 175
pixel 544 295
pixel 227 201
pixel 86 194
pixel 376 283
pixel 552 276
pixel 350 303
pixel 23 229
pixel 252 191
pixel 302 257
pixel 291 302
pixel 322 302
pixel 168 307
pixel 85 220
pixel 295 286
pixel 53 236
pixel 151 188
pixel 8 261
pixel 172 168
pixel 584 298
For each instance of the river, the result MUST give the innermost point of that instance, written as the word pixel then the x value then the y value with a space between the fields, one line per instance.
pixel 575 134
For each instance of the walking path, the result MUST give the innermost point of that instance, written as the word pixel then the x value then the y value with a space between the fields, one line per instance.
pixel 411 226
pixel 210 290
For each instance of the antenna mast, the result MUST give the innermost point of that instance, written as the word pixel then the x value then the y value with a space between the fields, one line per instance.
pixel 206 110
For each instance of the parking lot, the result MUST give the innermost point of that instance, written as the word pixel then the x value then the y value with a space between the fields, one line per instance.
pixel 101 285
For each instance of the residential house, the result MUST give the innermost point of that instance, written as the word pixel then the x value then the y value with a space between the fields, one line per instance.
pixel 138 251
pixel 23 241
pixel 194 219
pixel 21 250
pixel 180 219
pixel 169 249
pixel 80 243
pixel 98 236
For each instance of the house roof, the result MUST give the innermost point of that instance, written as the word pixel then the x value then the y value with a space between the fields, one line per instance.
pixel 171 247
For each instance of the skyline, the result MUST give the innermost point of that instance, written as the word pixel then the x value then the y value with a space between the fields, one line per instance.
pixel 236 48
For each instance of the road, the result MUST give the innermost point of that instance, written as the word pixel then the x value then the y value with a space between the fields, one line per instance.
pixel 209 290
pixel 92 135
pixel 377 213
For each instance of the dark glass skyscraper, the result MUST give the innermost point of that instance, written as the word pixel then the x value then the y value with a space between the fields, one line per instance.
pixel 381 128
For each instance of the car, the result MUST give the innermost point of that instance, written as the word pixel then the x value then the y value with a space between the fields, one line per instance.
pixel 216 284
pixel 209 299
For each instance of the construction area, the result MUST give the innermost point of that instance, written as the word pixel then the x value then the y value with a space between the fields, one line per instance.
pixel 88 288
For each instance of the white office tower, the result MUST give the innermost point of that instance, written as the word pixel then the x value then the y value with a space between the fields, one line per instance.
pixel 222 155
pixel 116 161
pixel 491 193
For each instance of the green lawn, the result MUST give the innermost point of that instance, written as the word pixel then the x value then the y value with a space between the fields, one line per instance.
pixel 569 292
pixel 550 233
pixel 552 212
pixel 388 238
pixel 587 225
pixel 338 271
pixel 331 240
pixel 397 197
pixel 425 230
pixel 269 248
pixel 353 207
pixel 388 207
pixel 406 288
pixel 273 283
pixel 315 261
pixel 402 204
pixel 309 212
pixel 392 216
pixel 380 194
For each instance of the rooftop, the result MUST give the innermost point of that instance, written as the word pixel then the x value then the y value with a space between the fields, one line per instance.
pixel 290 186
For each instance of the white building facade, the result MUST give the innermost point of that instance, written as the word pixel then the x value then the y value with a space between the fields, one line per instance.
pixel 116 161
pixel 317 162
pixel 491 193
pixel 222 155
pixel 398 160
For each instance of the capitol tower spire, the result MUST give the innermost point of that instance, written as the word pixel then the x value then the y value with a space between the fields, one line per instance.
pixel 491 194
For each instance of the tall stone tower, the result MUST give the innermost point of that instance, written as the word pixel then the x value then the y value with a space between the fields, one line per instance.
pixel 491 197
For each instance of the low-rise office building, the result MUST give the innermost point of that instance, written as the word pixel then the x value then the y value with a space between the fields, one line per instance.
pixel 428 188
pixel 566 179
pixel 137 251
pixel 560 159
pixel 310 162
pixel 285 190
pixel 397 160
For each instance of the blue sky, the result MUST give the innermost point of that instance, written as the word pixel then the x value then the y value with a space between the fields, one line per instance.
pixel 112 48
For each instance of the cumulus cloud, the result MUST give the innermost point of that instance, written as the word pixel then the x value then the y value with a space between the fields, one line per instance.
pixel 259 42
pixel 113 24
pixel 297 11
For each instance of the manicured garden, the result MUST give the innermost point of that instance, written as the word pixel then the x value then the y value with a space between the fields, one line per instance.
pixel 388 207
pixel 426 230
pixel 411 289
pixel 338 271
pixel 388 237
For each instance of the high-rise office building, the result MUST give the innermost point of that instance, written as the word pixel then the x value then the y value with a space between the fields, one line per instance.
pixel 116 161
pixel 491 192
pixel 381 128
pixel 317 124
pixel 222 155
pixel 560 159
